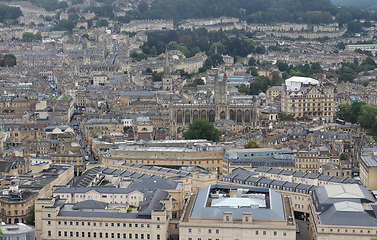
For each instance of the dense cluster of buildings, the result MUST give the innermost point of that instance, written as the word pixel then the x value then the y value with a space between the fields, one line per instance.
pixel 91 140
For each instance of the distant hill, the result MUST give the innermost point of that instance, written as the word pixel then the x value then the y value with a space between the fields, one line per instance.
pixel 369 4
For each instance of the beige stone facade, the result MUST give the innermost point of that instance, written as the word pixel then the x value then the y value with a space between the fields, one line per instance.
pixel 312 161
pixel 313 101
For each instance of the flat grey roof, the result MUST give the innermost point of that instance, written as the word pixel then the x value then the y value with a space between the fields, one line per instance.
pixel 275 212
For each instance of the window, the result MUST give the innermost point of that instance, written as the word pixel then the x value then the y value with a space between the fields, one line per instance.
pixel 118 235
pixel 256 232
pixel 136 236
pixel 264 233
pixel 130 236
pixel 88 234
pixel 112 235
pixel 199 230
pixel 59 233
pixel 284 233
pixel 48 215
pixel 112 224
pixel 148 236
pixel 189 230
pixel 82 234
pixel 275 233
pixel 94 234
pixel 100 235
pixel 49 233
pixel 209 231
pixel 77 234
pixel 48 222
pixel 158 225
pixel 158 237
pixel 217 231
pixel 158 218
pixel 106 235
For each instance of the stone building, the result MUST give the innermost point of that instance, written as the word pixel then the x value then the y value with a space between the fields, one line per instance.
pixel 306 97
pixel 217 108
pixel 229 212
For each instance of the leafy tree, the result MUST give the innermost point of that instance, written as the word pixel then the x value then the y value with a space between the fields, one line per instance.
pixel 9 60
pixel 9 13
pixel 285 117
pixel 260 49
pixel 341 45
pixel 157 76
pixel 251 144
pixel 30 216
pixel 368 115
pixel 244 89
pixel 199 81
pixel 27 37
pixel 354 27
pixel 261 84
pixel 85 35
pixel 138 56
pixel 202 129
pixel 143 6
pixel 342 157
pixel 217 59
pixel 102 23
pixel 148 70
pixel 365 83
pixel 64 25
pixel 253 71
pixel 252 61
pixel 38 36
pixel 282 66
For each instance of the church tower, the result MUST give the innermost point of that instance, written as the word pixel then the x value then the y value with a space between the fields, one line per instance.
pixel 167 84
pixel 221 98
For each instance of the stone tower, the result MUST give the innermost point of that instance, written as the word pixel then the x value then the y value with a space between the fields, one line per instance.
pixel 167 84
pixel 221 98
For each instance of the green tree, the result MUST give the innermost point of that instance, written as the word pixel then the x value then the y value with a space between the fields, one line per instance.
pixel 102 23
pixel 30 216
pixel 252 61
pixel 199 81
pixel 9 60
pixel 253 71
pixel 365 83
pixel 368 115
pixel 244 89
pixel 27 37
pixel 148 70
pixel 342 157
pixel 251 144
pixel 38 36
pixel 217 59
pixel 354 27
pixel 157 76
pixel 260 49
pixel 202 129
pixel 143 6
